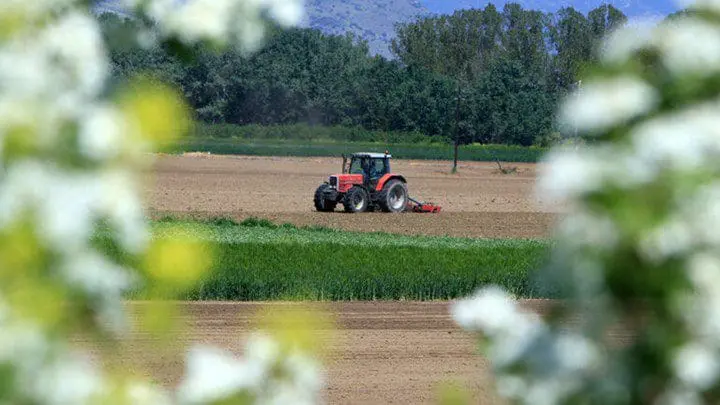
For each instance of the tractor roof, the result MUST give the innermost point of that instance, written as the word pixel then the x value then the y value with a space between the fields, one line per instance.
pixel 372 155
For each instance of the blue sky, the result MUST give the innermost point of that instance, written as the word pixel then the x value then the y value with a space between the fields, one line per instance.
pixel 632 8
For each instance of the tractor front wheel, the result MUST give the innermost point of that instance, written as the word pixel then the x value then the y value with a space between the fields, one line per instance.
pixel 394 196
pixel 322 204
pixel 356 200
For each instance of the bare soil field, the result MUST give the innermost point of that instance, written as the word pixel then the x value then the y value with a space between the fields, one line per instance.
pixel 479 201
pixel 380 352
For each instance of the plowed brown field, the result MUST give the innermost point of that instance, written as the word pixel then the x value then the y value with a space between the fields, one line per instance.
pixel 380 353
pixel 477 202
pixel 383 352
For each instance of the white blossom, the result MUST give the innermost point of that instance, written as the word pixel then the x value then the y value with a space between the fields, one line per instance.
pixel 490 310
pixel 287 13
pixel 94 274
pixel 682 141
pixel 305 374
pixel 222 20
pixel 697 365
pixel 621 44
pixel 671 238
pixel 35 9
pixel 585 228
pixel 67 381
pixel 567 174
pixel 510 386
pixel 683 52
pixel 198 19
pixel 678 395
pixel 64 62
pixel 604 103
pixel 213 374
pixel 576 353
pixel 144 394
pixel 101 133
pixel 75 43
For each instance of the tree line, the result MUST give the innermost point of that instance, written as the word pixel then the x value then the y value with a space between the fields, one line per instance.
pixel 480 75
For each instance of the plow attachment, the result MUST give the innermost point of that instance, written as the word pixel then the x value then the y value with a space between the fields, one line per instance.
pixel 417 206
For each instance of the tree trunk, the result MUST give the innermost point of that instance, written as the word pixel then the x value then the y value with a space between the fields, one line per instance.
pixel 457 129
pixel 456 156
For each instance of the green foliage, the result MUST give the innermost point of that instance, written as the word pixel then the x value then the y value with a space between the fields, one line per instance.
pixel 308 133
pixel 479 153
pixel 477 76
pixel 259 260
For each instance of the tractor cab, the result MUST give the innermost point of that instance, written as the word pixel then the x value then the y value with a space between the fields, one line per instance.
pixel 372 166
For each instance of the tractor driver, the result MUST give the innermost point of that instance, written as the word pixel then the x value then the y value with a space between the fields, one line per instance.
pixel 372 170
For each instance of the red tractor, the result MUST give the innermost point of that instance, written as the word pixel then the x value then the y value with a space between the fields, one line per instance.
pixel 365 185
pixel 368 184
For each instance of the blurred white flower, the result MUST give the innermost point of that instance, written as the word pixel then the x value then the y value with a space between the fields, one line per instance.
pixel 697 365
pixel 22 344
pixel 576 353
pixel 677 395
pixel 65 63
pixel 671 238
pixel 68 207
pixel 586 228
pixel 702 214
pixel 33 10
pixel 124 210
pixel 604 103
pixel 221 21
pixel 75 46
pixel 682 141
pixel 682 50
pixel 510 386
pixel 261 349
pixel 101 133
pixel 213 374
pixel 489 310
pixel 287 13
pixel 549 391
pixel 23 186
pixel 24 70
pixel 144 394
pixel 305 375
pixel 567 174
pixel 622 43
pixel 94 274
pixel 66 381
pixel 201 19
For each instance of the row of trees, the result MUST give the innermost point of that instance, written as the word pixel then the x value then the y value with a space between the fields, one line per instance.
pixel 481 75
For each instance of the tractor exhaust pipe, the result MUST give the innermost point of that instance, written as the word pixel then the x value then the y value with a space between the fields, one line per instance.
pixel 344 164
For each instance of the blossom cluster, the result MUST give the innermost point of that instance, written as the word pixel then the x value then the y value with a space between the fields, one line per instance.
pixel 70 159
pixel 638 244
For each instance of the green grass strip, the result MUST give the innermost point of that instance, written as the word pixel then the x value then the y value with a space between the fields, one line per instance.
pixel 261 261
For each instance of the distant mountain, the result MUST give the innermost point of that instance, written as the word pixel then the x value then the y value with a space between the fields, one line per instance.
pixel 374 20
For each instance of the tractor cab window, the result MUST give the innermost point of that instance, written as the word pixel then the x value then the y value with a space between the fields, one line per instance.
pixel 357 165
pixel 374 168
pixel 378 168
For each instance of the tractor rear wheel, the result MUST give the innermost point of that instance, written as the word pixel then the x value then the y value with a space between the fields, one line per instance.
pixel 356 200
pixel 322 204
pixel 394 196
